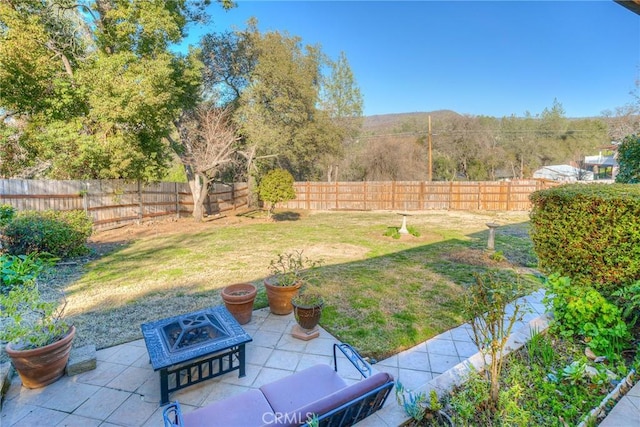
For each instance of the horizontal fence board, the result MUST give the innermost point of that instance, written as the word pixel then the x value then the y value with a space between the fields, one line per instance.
pixel 112 203
pixel 416 195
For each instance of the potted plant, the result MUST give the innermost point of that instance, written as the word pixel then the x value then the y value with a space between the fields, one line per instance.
pixel 239 298
pixel 288 273
pixel 38 338
pixel 307 309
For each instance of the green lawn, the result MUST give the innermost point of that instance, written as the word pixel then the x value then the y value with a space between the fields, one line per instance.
pixel 382 295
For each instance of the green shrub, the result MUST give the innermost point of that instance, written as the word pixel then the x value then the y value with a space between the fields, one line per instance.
pixel 590 233
pixel 62 234
pixel 276 187
pixel 19 270
pixel 583 311
pixel 7 212
pixel 629 160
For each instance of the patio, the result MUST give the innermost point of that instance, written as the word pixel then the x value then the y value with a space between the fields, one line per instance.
pixel 124 390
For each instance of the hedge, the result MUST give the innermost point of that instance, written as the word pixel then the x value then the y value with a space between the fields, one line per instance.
pixel 588 232
pixel 60 233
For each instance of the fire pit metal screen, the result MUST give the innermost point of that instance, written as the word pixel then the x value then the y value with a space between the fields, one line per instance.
pixel 194 347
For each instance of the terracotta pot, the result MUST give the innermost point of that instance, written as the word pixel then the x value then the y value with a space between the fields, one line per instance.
pixel 42 366
pixel 238 298
pixel 307 317
pixel 279 297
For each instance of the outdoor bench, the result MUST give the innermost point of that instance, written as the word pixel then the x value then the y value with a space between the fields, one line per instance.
pixel 292 401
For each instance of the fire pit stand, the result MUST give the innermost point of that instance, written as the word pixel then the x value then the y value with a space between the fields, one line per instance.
pixel 195 347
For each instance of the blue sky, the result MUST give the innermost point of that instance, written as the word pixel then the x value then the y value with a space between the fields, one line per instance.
pixel 494 58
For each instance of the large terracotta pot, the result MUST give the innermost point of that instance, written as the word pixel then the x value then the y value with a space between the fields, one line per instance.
pixel 42 366
pixel 279 297
pixel 238 298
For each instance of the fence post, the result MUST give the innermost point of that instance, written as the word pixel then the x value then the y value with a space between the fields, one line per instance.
pixel 140 207
pixel 393 194
pixel 337 195
pixel 364 190
pixel 175 187
pixel 508 194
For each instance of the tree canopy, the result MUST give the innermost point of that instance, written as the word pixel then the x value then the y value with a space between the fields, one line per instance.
pixel 90 90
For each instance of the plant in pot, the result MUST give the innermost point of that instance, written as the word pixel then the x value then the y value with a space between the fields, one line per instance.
pixel 38 338
pixel 239 298
pixel 307 309
pixel 289 271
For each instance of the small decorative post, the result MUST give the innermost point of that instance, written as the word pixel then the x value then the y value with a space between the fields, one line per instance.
pixel 491 243
pixel 403 229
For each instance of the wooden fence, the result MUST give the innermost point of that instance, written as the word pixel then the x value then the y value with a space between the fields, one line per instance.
pixel 417 195
pixel 111 203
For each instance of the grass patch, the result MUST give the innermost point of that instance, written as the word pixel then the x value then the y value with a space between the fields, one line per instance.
pixel 382 295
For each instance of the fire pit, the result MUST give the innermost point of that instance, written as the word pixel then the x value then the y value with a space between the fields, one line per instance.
pixel 194 347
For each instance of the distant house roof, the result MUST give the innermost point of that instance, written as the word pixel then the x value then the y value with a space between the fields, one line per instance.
pixel 600 161
pixel 565 173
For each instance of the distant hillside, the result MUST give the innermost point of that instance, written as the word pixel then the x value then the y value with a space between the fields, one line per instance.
pixel 385 123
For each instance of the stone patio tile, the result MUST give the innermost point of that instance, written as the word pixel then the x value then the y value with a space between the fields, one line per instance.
pixel 195 394
pixel 389 361
pixel 131 379
pixel 102 403
pixel 219 393
pixel 257 355
pixel 411 379
pixel 39 417
pixel 309 360
pixel 266 339
pixel 624 414
pixel 105 353
pixel 127 354
pixel 441 363
pixel 26 396
pixel 465 348
pixel 13 411
pixel 251 372
pixel 283 360
pixel 69 395
pixel 134 411
pixel 321 346
pixel 462 333
pixel 78 421
pixel 104 373
pixel 414 360
pixel 268 375
pixel 142 362
pixel 441 347
pixel 150 389
pixel 277 323
pixel 289 343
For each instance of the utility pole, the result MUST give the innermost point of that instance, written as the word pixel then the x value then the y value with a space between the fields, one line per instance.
pixel 430 160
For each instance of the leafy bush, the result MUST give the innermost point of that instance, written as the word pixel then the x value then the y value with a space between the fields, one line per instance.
pixel 628 300
pixel 583 311
pixel 629 160
pixel 60 233
pixel 276 187
pixel 590 233
pixel 7 212
pixel 19 270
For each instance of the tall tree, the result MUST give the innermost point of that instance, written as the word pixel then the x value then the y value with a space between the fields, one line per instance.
pixel 103 87
pixel 278 112
pixel 342 100
pixel 206 145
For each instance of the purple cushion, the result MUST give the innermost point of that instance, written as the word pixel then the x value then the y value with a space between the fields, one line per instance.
pixel 245 409
pixel 340 397
pixel 300 389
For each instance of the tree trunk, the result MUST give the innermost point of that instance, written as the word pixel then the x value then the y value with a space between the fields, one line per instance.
pixel 199 186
